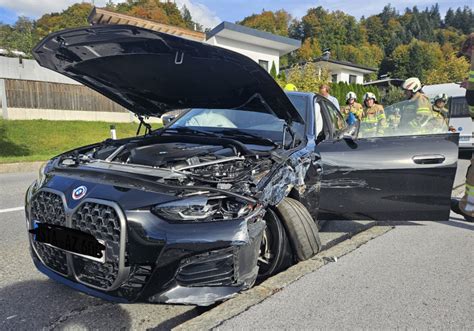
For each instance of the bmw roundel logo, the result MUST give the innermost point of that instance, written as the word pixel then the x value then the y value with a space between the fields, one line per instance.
pixel 79 192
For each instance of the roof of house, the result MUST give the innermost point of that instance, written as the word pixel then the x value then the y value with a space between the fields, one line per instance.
pixel 253 36
pixel 104 16
pixel 386 82
pixel 347 64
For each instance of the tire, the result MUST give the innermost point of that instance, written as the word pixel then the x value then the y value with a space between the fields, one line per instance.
pixel 301 229
pixel 276 244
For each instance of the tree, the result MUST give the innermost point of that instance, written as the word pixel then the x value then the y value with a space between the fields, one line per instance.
pixel 21 37
pixel 308 77
pixel 269 21
pixel 188 19
pixel 72 17
pixel 273 70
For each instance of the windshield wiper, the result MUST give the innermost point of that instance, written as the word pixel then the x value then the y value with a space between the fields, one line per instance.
pixel 184 129
pixel 238 133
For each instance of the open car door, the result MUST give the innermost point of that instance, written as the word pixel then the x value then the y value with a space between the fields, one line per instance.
pixel 392 177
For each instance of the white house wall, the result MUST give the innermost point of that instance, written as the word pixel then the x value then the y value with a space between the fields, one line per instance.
pixel 254 52
pixel 14 68
pixel 343 75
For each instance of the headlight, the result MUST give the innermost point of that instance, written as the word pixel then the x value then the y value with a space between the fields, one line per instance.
pixel 203 208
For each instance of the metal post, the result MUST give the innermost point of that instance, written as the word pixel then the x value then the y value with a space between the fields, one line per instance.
pixel 113 133
pixel 3 99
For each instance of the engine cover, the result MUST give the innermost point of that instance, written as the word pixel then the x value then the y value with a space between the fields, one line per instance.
pixel 168 154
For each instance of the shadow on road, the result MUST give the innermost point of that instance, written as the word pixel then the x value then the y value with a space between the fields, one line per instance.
pixel 45 304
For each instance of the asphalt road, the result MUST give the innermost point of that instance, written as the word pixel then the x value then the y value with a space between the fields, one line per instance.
pixel 29 300
pixel 417 276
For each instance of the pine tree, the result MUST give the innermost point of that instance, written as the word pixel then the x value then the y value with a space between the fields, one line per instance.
pixel 273 70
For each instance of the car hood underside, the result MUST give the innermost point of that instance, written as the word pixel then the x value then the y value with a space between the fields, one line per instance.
pixel 150 72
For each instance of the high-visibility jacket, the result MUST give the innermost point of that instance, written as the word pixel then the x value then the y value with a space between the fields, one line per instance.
pixel 373 121
pixel 470 89
pixel 393 121
pixel 355 108
pixel 443 112
pixel 426 120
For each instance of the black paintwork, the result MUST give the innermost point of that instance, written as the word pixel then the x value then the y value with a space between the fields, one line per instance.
pixel 150 73
pixel 378 181
pixel 386 178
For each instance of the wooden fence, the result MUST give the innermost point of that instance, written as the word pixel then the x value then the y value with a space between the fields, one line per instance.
pixel 45 95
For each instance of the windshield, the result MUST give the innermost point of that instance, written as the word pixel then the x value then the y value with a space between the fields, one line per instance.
pixel 233 122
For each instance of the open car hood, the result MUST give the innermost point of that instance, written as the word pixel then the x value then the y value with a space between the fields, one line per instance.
pixel 150 72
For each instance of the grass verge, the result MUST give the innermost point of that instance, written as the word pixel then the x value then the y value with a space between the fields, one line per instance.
pixel 38 140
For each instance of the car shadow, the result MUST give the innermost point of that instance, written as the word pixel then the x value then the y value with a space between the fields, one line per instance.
pixel 45 304
pixel 459 222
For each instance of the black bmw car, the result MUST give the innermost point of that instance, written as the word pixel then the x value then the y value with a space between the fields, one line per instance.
pixel 228 192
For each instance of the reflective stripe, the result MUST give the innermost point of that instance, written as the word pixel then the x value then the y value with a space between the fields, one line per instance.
pixel 469 190
pixel 381 117
pixel 423 110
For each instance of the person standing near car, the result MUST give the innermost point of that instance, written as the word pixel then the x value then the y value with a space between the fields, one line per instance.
pixel 352 106
pixel 373 121
pixel 465 207
pixel 440 103
pixel 324 91
pixel 424 120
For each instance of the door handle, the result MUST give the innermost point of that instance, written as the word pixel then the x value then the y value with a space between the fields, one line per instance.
pixel 429 159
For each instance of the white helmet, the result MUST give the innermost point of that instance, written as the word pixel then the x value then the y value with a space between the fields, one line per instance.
pixel 412 84
pixel 351 95
pixel 370 95
pixel 441 96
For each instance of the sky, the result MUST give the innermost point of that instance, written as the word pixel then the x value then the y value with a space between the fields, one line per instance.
pixel 209 13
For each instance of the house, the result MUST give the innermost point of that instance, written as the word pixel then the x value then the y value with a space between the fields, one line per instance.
pixel 341 71
pixel 263 47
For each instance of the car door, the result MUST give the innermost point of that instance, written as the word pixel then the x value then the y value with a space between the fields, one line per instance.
pixel 407 177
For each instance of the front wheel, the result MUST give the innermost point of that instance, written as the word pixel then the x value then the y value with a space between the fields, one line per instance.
pixel 275 250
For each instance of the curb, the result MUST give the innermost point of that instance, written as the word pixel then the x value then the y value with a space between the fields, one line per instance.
pixel 6 168
pixel 243 301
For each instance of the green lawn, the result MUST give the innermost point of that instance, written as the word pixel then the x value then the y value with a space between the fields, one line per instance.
pixel 37 140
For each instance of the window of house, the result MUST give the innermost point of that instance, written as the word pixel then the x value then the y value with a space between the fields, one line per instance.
pixel 352 79
pixel 334 78
pixel 263 64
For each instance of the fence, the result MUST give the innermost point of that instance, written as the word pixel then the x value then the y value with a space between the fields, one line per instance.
pixel 27 99
pixel 46 95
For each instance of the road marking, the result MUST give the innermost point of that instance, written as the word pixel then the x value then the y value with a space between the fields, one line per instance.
pixel 11 209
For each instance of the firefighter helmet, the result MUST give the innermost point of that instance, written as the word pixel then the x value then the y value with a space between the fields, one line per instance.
pixel 412 84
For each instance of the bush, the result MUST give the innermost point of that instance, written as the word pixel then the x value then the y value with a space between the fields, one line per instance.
pixel 340 90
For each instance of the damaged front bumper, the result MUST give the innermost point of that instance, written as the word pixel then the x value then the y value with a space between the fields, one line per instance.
pixel 164 262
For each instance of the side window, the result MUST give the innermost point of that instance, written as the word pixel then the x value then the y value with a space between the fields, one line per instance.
pixel 458 107
pixel 336 120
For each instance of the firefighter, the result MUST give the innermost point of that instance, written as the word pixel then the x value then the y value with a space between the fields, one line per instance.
pixel 465 207
pixel 373 120
pixel 394 119
pixel 424 119
pixel 440 103
pixel 352 106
